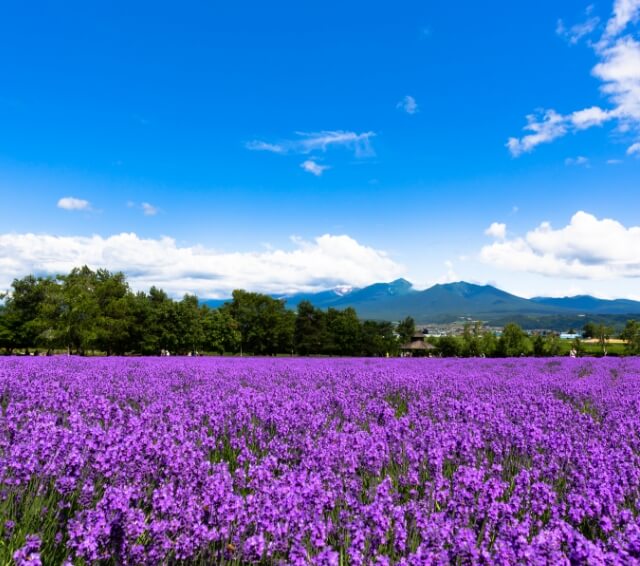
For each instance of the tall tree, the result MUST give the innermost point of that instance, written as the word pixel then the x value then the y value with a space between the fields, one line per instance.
pixel 265 325
pixel 22 310
pixel 220 330
pixel 310 334
pixel 406 329
pixel 344 331
pixel 603 333
pixel 631 334
pixel 513 341
pixel 471 344
pixel 115 318
pixel 378 339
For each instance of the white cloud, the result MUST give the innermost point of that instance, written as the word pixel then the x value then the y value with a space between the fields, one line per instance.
pixel 325 262
pixel 614 161
pixel 589 117
pixel 576 32
pixel 587 248
pixel 149 209
pixel 72 203
pixel 580 160
pixel 408 104
pixel 450 276
pixel 307 143
pixel 497 230
pixel 314 168
pixel 634 149
pixel 545 127
pixel 618 69
pixel 257 145
pixel 624 12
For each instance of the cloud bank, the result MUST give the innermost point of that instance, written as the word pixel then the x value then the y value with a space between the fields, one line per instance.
pixel 587 248
pixel 326 261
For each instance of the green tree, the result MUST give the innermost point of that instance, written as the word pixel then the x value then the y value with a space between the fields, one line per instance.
pixel 21 323
pixel 343 328
pixel 158 313
pixel 552 345
pixel 589 330
pixel 221 334
pixel 603 333
pixel 471 339
pixel 449 346
pixel 631 334
pixel 488 344
pixel 310 335
pixel 513 341
pixel 406 329
pixel 265 325
pixel 577 346
pixel 378 339
pixel 538 346
pixel 78 310
pixel 115 314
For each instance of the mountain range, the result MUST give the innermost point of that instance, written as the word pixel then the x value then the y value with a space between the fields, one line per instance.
pixel 449 302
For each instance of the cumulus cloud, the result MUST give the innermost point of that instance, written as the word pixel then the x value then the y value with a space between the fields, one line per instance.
pixel 325 262
pixel 72 203
pixel 497 230
pixel 305 143
pixel 408 104
pixel 587 248
pixel 314 168
pixel 624 12
pixel 617 68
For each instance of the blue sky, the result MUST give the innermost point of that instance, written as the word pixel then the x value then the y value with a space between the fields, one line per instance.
pixel 289 146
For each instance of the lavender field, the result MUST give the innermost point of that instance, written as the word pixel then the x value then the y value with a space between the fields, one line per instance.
pixel 334 461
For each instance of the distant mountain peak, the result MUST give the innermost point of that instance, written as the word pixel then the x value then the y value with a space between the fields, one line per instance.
pixel 342 290
pixel 400 285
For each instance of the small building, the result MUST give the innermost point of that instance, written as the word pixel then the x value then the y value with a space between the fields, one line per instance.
pixel 417 347
pixel 569 335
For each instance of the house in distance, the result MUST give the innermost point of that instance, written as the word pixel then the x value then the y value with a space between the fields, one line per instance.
pixel 417 346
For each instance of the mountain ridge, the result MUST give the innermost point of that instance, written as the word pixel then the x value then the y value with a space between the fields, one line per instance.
pixel 447 302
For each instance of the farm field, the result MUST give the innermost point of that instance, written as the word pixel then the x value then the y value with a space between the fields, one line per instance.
pixel 319 461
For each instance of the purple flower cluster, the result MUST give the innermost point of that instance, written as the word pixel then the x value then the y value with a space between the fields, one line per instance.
pixel 333 461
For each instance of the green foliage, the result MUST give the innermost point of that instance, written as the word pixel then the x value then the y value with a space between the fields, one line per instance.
pixel 265 325
pixel 603 333
pixel 449 346
pixel 89 311
pixel 406 329
pixel 378 339
pixel 577 346
pixel 472 340
pixel 631 334
pixel 513 341
pixel 589 330
pixel 549 345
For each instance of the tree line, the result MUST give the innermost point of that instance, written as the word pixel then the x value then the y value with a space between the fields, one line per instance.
pixel 88 311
